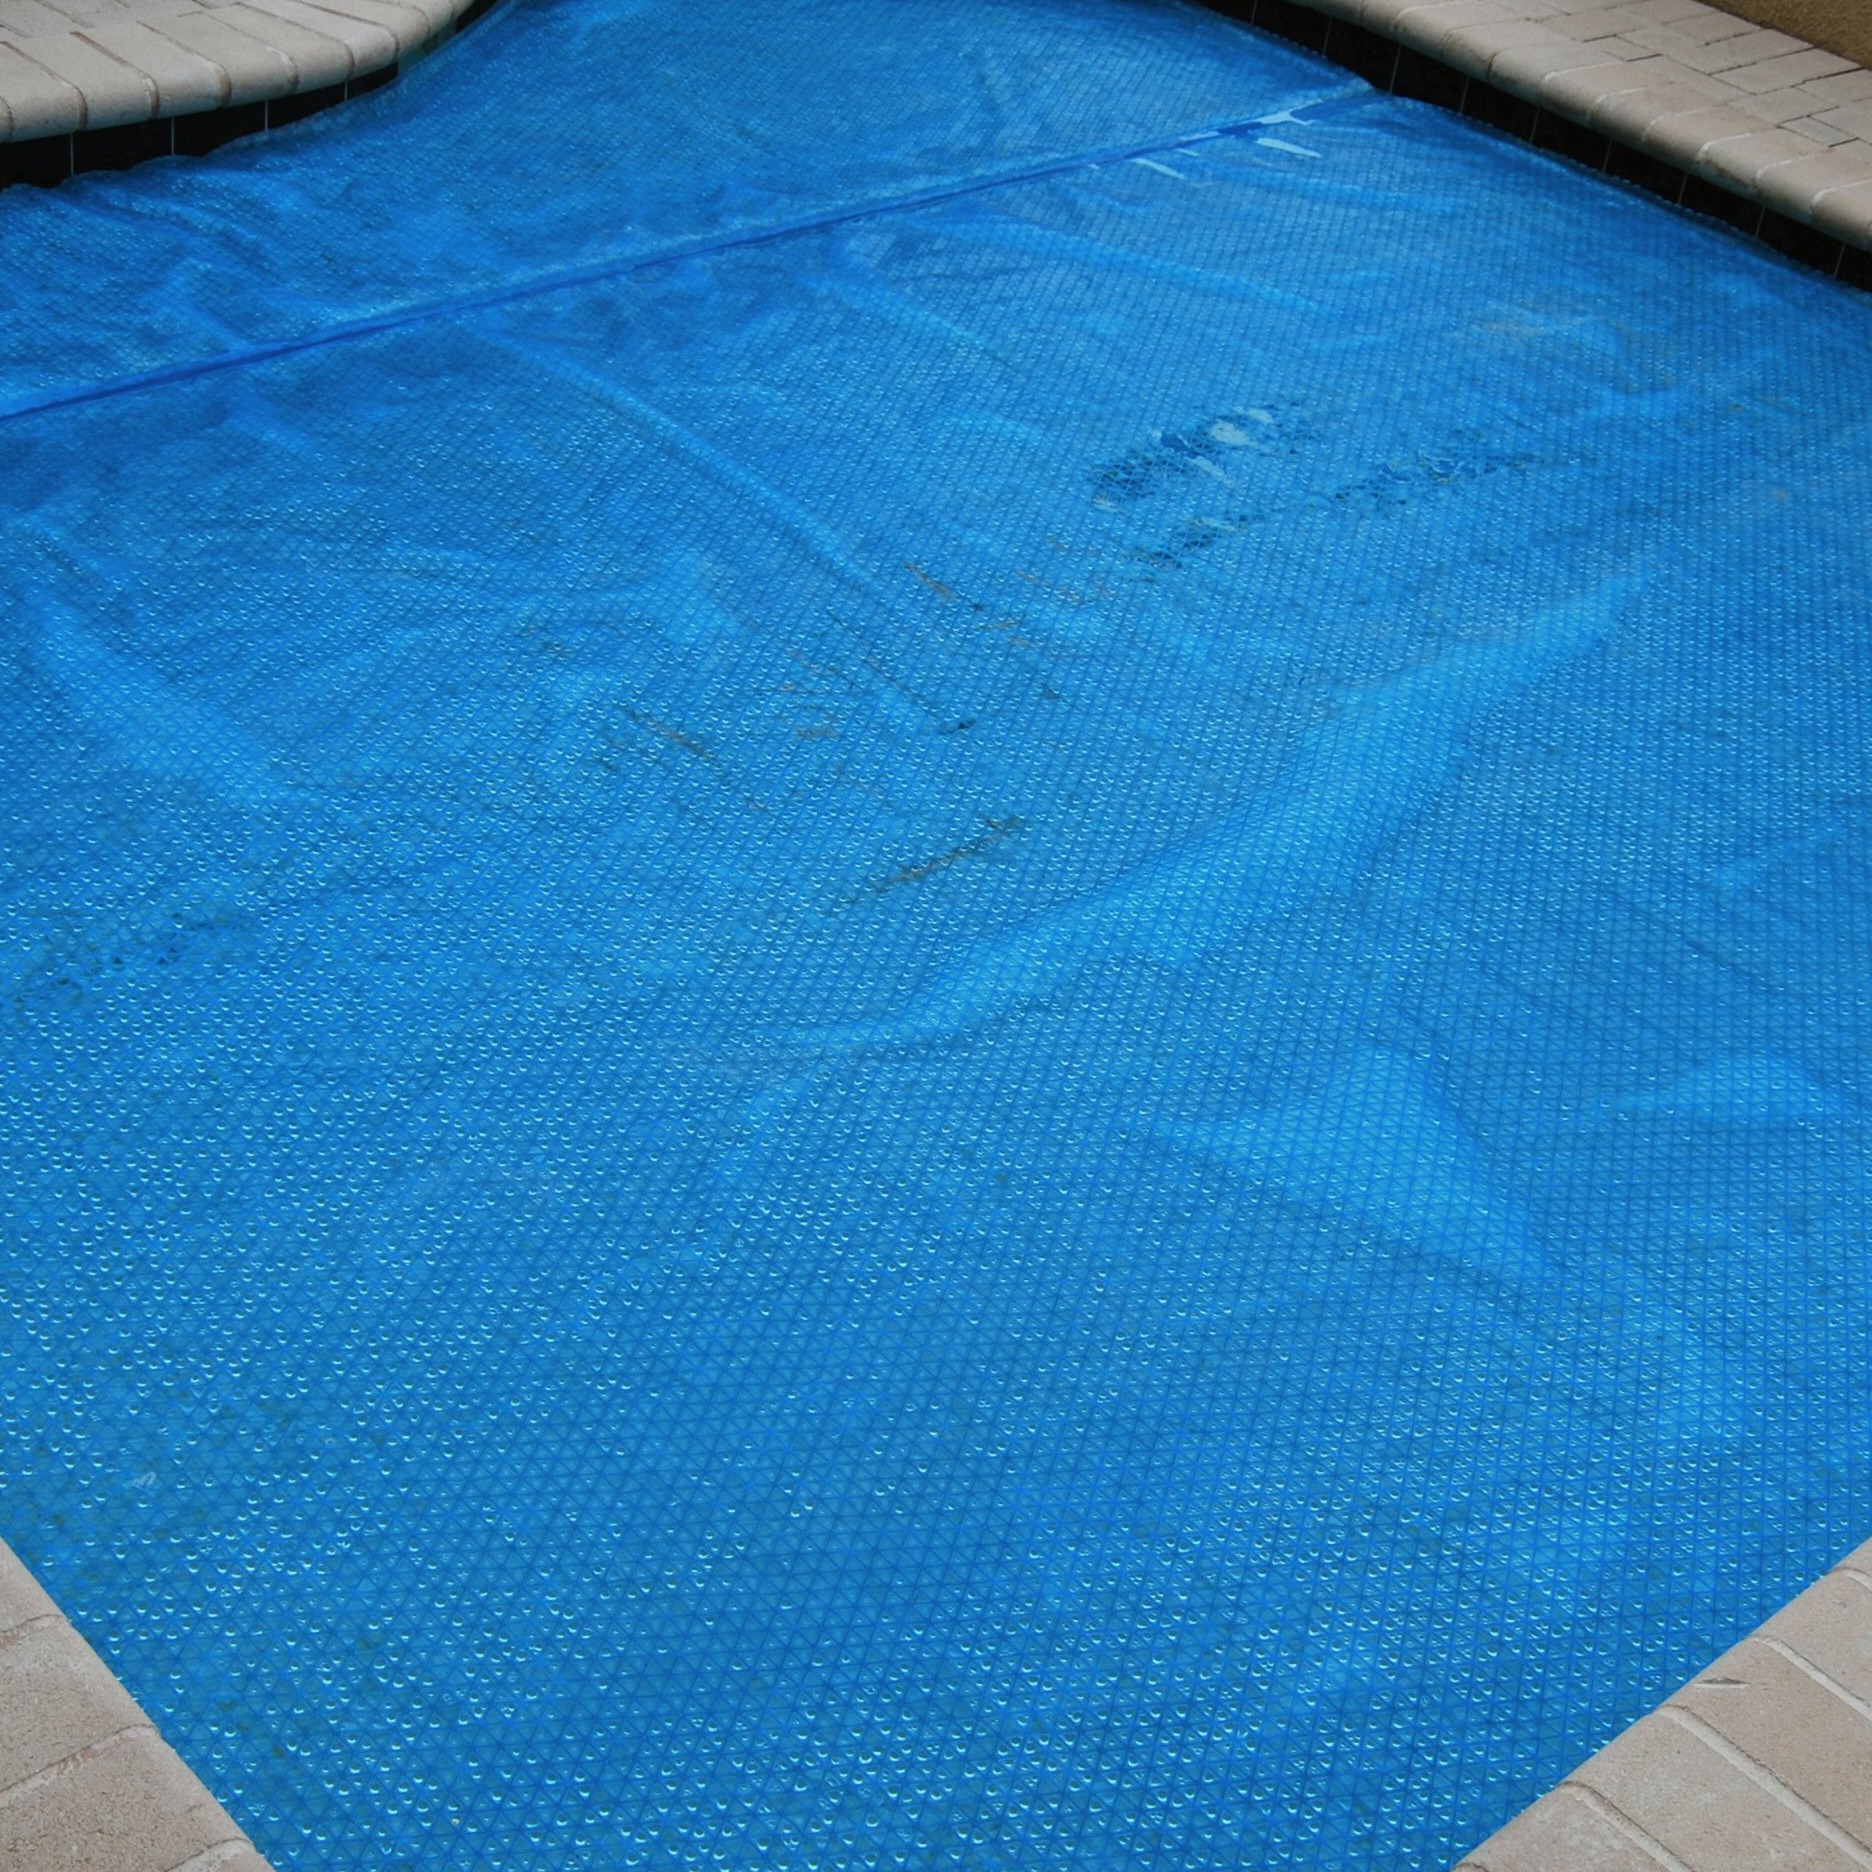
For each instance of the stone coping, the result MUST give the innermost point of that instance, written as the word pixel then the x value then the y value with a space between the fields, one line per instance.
pixel 1754 126
pixel 1765 1760
pixel 86 1783
pixel 84 66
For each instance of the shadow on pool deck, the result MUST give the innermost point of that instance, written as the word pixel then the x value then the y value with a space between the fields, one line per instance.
pixel 1842 26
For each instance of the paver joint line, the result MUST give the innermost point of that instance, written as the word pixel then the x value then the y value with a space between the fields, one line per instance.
pixel 28 1626
pixel 208 64
pixel 1805 1665
pixel 1622 1822
pixel 1769 1782
pixel 66 1764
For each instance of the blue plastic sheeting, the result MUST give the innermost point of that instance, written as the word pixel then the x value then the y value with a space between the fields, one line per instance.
pixel 899 974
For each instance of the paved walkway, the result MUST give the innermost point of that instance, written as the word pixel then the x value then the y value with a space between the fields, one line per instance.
pixel 86 1783
pixel 1759 114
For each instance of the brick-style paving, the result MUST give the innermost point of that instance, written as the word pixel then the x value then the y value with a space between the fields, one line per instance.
pixel 1843 26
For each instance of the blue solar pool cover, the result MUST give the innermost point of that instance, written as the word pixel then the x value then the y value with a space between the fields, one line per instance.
pixel 902 973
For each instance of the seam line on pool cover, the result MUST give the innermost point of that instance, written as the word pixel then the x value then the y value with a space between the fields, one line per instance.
pixel 598 271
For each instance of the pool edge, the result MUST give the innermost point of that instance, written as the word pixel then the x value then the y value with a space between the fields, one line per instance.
pixel 143 119
pixel 1812 211
pixel 86 1781
pixel 1765 1758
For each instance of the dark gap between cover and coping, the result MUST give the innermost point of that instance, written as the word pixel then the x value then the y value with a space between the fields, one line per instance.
pixel 46 161
pixel 1389 66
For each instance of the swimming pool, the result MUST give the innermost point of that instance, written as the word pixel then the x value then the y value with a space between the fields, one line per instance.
pixel 935 936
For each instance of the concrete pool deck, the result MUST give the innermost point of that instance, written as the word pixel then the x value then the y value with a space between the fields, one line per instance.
pixel 1843 26
pixel 86 1783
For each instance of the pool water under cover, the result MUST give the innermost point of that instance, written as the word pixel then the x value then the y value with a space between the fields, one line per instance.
pixel 900 973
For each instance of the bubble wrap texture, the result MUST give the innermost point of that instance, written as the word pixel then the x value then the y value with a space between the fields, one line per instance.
pixel 899 975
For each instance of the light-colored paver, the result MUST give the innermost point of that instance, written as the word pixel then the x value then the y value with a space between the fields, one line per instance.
pixel 1756 112
pixel 86 1783
pixel 1761 1764
pixel 69 66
